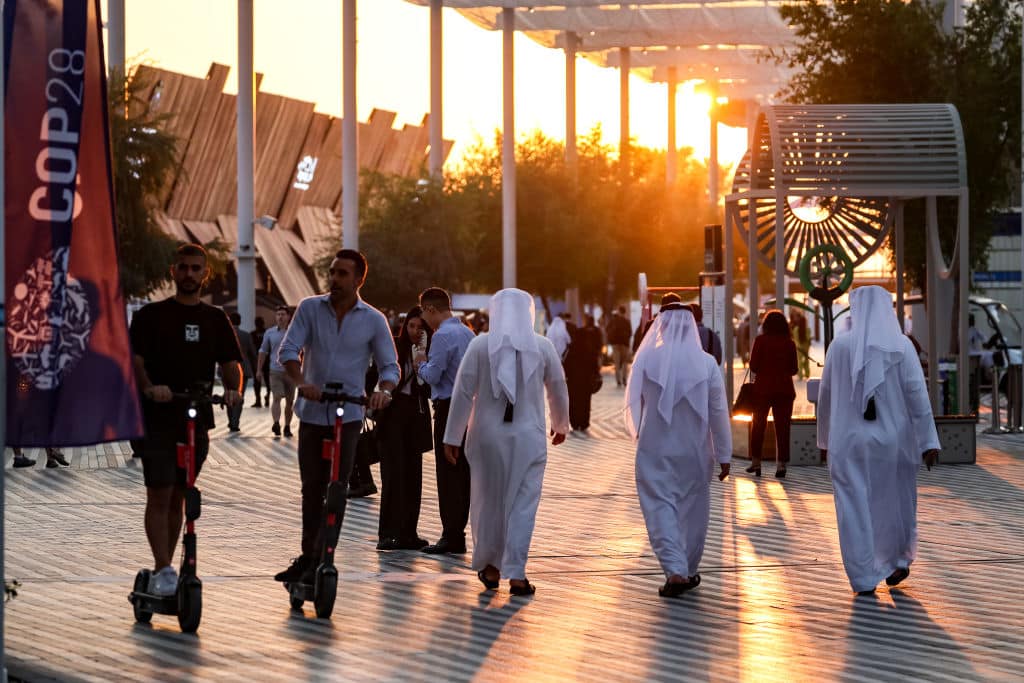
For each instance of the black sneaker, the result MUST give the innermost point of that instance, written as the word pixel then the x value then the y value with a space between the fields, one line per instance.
pixel 276 429
pixel 57 458
pixel 288 431
pixel 23 461
pixel 294 573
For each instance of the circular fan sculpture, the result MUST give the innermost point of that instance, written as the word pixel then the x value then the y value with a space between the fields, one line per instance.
pixel 857 225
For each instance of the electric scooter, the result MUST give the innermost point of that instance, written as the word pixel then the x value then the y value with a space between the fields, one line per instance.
pixel 187 602
pixel 324 589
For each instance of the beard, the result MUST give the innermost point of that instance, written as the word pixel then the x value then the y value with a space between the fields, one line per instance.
pixel 187 286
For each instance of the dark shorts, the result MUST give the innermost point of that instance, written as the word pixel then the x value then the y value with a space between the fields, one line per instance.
pixel 160 459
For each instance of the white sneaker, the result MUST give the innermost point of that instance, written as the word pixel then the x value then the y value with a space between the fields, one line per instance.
pixel 164 583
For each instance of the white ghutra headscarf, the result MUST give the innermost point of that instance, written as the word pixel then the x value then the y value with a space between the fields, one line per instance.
pixel 558 333
pixel 510 336
pixel 877 341
pixel 670 356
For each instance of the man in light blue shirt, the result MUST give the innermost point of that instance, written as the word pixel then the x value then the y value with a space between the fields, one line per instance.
pixel 438 369
pixel 280 384
pixel 337 334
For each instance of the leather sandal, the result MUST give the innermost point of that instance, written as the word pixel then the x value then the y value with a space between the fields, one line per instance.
pixel 488 583
pixel 526 588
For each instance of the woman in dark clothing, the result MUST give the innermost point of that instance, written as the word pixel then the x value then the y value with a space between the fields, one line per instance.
pixel 582 369
pixel 773 362
pixel 405 427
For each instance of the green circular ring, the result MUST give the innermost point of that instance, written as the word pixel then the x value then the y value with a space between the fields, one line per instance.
pixel 805 266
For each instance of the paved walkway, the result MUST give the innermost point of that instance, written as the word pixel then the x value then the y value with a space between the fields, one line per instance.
pixel 774 603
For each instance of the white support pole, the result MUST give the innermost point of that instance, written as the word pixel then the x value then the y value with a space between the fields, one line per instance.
pixel 752 259
pixel 963 355
pixel 1020 313
pixel 672 150
pixel 436 161
pixel 780 250
pixel 508 150
pixel 349 130
pixel 728 332
pixel 624 162
pixel 115 35
pixel 246 266
pixel 571 154
pixel 713 152
pixel 3 362
pixel 932 306
pixel 897 207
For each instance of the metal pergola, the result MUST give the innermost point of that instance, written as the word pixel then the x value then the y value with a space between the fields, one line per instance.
pixel 886 153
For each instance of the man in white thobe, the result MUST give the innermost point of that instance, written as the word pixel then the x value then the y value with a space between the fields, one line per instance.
pixel 499 397
pixel 677 411
pixel 558 334
pixel 875 425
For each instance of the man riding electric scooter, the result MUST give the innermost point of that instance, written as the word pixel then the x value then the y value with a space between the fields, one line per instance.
pixel 337 334
pixel 177 344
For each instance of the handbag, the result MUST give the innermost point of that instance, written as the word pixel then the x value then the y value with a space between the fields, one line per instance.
pixel 746 399
pixel 369 444
pixel 596 383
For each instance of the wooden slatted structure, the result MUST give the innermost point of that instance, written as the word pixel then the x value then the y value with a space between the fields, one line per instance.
pixel 297 158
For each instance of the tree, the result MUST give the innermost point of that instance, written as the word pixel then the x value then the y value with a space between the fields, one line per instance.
pixel 892 51
pixel 144 157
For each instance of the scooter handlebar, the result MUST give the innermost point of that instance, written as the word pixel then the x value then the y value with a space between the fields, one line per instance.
pixel 332 396
pixel 199 399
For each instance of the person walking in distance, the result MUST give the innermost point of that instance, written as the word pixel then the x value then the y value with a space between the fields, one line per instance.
pixel 248 365
pixel 258 378
pixel 709 339
pixel 438 368
pixel 875 426
pixel 335 335
pixel 281 385
pixel 773 362
pixel 177 345
pixel 619 332
pixel 582 369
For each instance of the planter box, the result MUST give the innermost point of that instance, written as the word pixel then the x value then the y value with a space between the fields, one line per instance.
pixel 957 434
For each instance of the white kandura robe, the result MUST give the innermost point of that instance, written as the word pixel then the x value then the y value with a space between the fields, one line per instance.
pixel 674 466
pixel 506 459
pixel 873 464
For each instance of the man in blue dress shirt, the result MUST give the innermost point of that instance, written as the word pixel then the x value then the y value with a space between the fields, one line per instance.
pixel 438 368
pixel 337 334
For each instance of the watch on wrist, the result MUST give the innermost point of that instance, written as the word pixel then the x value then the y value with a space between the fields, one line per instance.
pixel 386 392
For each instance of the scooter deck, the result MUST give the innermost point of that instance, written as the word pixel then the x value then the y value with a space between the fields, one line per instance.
pixel 157 604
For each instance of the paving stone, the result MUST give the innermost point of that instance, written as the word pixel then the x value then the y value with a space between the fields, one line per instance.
pixel 774 604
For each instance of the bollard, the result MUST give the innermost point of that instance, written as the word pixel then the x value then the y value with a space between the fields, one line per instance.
pixel 1014 396
pixel 997 372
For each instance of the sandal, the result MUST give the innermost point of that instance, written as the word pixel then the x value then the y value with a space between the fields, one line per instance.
pixel 526 589
pixel 489 584
pixel 897 576
pixel 675 589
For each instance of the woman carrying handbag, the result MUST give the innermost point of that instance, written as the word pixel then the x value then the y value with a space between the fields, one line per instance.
pixel 405 434
pixel 773 362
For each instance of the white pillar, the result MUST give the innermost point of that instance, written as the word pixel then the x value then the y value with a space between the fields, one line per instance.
pixel 436 101
pixel 508 151
pixel 780 250
pixel 571 155
pixel 963 365
pixel 1020 313
pixel 896 206
pixel 932 304
pixel 713 152
pixel 115 35
pixel 349 130
pixel 752 256
pixel 246 266
pixel 624 164
pixel 3 363
pixel 671 150
pixel 729 332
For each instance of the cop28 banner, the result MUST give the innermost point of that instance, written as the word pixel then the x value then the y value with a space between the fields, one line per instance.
pixel 69 371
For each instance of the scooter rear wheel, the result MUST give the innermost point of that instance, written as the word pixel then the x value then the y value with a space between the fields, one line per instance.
pixel 190 605
pixel 325 591
pixel 142 615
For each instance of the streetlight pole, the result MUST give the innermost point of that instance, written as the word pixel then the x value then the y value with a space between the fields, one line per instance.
pixel 246 264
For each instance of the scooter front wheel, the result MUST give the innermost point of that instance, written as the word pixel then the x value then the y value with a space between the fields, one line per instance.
pixel 190 605
pixel 325 591
pixel 142 615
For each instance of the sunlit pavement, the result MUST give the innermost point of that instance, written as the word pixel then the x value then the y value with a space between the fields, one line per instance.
pixel 774 603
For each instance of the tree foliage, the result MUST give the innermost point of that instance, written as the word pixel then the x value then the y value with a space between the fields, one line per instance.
pixel 896 51
pixel 573 230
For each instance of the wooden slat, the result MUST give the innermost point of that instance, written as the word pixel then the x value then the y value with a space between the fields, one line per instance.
pixel 285 268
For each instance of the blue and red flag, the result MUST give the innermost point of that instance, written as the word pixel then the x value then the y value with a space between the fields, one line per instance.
pixel 69 371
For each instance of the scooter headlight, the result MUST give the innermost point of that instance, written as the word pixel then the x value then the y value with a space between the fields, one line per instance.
pixel 192 412
pixel 340 411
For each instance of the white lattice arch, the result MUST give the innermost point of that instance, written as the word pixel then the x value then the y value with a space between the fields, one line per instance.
pixel 860 163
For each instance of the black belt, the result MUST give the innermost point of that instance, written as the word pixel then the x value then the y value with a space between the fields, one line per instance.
pixel 441 401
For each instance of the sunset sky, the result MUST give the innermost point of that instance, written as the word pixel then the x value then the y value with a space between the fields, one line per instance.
pixel 298 49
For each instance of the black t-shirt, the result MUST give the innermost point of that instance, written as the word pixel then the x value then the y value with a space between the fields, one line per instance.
pixel 181 346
